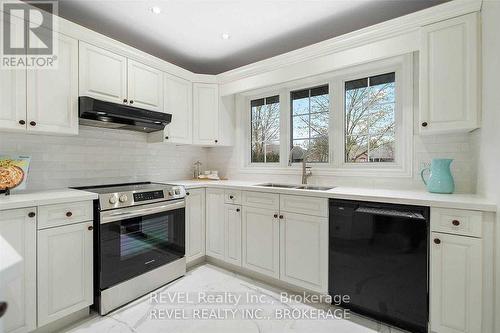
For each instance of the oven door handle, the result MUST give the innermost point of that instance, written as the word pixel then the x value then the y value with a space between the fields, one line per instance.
pixel 108 217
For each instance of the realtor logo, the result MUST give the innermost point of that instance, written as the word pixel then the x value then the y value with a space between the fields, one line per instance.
pixel 28 39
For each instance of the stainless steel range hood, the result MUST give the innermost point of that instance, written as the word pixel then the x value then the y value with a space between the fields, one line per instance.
pixel 93 112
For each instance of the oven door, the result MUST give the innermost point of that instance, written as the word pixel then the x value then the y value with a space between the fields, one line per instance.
pixel 138 239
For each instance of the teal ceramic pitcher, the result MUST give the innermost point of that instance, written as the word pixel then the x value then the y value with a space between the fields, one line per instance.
pixel 440 179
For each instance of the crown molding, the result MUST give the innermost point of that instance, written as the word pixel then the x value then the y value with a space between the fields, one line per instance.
pixel 398 26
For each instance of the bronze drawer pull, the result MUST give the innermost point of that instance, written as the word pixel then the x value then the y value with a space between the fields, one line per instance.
pixel 31 214
pixel 455 222
pixel 69 214
pixel 437 241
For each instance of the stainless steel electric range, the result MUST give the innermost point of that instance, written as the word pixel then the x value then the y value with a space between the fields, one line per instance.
pixel 139 243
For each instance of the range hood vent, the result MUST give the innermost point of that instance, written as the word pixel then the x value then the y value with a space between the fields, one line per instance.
pixel 93 112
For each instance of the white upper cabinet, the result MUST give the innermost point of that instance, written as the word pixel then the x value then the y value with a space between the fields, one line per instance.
pixel 455 284
pixel 13 88
pixel 65 271
pixel 103 74
pixel 52 94
pixel 18 228
pixel 205 113
pixel 449 76
pixel 178 99
pixel 145 86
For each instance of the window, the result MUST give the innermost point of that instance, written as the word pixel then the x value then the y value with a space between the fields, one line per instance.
pixel 369 112
pixel 354 122
pixel 309 122
pixel 265 130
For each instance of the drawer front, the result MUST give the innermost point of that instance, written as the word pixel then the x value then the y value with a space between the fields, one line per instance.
pixel 66 213
pixel 304 205
pixel 232 197
pixel 457 221
pixel 261 200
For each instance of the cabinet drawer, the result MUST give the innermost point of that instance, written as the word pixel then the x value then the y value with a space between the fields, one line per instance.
pixel 66 213
pixel 457 221
pixel 232 197
pixel 261 200
pixel 304 205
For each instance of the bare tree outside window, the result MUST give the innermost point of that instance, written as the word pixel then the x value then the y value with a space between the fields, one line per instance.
pixel 265 130
pixel 309 119
pixel 370 119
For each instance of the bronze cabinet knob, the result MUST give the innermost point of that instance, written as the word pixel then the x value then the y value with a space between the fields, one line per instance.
pixel 187 193
pixel 275 216
pixel 237 209
pixel 216 141
pixel 455 222
pixel 437 241
pixel 281 216
pixel 32 123
pixel 31 214
pixel 22 122
pixel 231 197
pixel 124 100
pixel 90 228
pixel 166 138
pixel 69 214
pixel 424 124
pixel 131 102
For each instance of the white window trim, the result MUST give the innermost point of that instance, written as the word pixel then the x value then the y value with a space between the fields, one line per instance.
pixel 403 165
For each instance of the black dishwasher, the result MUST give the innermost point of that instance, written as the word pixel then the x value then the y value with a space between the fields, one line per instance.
pixel 378 256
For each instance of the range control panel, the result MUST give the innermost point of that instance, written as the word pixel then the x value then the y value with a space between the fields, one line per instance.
pixel 152 195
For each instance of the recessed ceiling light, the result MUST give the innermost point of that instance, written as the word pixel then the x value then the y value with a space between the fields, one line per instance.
pixel 225 36
pixel 155 10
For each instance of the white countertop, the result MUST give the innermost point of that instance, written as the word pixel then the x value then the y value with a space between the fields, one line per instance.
pixel 24 199
pixel 410 197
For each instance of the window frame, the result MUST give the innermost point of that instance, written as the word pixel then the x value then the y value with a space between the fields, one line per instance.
pixel 290 116
pixel 250 134
pixel 403 68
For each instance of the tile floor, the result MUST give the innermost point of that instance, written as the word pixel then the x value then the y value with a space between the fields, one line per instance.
pixel 211 299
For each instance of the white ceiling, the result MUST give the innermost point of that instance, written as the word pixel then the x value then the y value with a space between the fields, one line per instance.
pixel 188 32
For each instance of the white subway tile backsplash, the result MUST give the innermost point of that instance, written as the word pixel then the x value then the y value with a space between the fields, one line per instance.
pixel 100 156
pixel 462 148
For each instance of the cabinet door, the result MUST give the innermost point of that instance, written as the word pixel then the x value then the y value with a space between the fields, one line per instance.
pixel 261 241
pixel 179 102
pixel 232 217
pixel 13 86
pixel 19 230
pixel 205 113
pixel 102 74
pixel 65 271
pixel 449 76
pixel 195 224
pixel 215 223
pixel 145 86
pixel 456 284
pixel 52 101
pixel 304 251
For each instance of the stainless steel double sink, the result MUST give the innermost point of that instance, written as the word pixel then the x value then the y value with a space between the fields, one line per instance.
pixel 297 187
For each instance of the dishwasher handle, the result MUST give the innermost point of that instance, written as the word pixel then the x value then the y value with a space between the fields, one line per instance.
pixel 390 213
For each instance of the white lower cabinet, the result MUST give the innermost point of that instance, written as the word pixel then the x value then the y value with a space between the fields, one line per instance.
pixel 18 228
pixel 304 251
pixel 232 220
pixel 455 284
pixel 215 243
pixel 65 270
pixel 261 241
pixel 195 224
